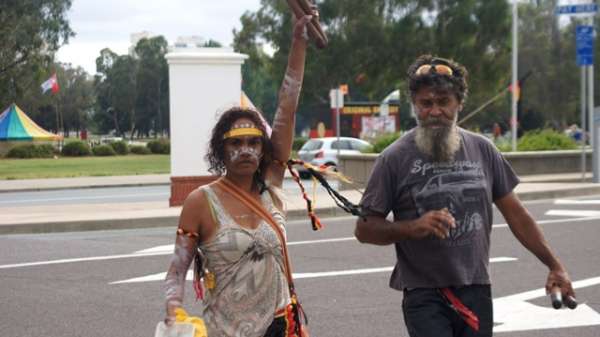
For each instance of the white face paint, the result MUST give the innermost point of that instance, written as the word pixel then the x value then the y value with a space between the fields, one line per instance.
pixel 248 152
pixel 290 88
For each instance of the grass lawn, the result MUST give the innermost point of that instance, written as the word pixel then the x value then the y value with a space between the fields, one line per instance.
pixel 85 166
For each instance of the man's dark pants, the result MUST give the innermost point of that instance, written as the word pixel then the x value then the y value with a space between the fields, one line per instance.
pixel 428 314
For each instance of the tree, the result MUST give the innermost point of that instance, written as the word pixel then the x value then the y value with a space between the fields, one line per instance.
pixel 256 80
pixel 76 97
pixel 212 44
pixel 372 43
pixel 153 80
pixel 116 90
pixel 133 92
pixel 547 50
pixel 30 32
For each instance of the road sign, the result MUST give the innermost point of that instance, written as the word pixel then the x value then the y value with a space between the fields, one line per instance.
pixel 336 99
pixel 584 38
pixel 586 8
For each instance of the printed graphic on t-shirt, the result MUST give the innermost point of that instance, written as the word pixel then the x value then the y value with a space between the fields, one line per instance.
pixel 458 186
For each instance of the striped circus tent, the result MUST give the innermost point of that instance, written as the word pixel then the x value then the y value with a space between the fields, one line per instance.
pixel 15 125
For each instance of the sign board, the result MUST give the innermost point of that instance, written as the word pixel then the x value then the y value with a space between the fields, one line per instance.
pixel 336 98
pixel 374 126
pixel 573 9
pixel 584 38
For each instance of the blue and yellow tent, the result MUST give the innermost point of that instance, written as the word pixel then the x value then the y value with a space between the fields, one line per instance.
pixel 16 126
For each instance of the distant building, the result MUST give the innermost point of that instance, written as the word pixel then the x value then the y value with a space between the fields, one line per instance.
pixel 191 42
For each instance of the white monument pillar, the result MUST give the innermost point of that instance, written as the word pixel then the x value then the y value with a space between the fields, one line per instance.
pixel 202 82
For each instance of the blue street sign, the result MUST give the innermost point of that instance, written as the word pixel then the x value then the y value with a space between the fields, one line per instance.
pixel 584 38
pixel 588 8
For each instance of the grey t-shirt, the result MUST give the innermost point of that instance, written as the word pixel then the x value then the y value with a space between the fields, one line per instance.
pixel 407 183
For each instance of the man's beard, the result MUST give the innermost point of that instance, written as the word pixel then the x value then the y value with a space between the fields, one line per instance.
pixel 440 143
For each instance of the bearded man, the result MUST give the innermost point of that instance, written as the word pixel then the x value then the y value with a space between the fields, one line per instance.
pixel 440 182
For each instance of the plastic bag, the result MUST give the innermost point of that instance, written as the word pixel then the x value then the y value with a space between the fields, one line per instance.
pixel 184 326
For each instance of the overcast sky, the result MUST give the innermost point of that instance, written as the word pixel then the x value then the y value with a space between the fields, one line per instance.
pixel 108 23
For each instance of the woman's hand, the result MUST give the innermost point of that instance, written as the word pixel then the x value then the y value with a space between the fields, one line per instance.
pixel 300 31
pixel 171 305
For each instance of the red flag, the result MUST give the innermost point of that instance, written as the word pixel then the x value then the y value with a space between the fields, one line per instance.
pixel 50 84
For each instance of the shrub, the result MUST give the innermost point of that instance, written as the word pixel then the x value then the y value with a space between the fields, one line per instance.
pixel 159 146
pixel 103 151
pixel 138 149
pixel 120 147
pixel 76 149
pixel 46 150
pixel 544 140
pixel 381 142
pixel 298 142
pixel 31 151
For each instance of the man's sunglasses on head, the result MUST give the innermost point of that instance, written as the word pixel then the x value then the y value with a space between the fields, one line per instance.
pixel 440 69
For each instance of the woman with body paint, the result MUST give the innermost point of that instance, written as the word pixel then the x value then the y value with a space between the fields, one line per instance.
pixel 240 256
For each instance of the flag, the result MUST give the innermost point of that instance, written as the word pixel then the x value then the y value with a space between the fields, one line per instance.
pixel 50 84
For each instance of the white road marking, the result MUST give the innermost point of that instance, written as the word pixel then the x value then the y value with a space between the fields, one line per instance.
pixel 294 243
pixel 514 313
pixel 543 222
pixel 168 249
pixel 82 259
pixel 112 197
pixel 576 202
pixel 158 249
pixel 189 276
pixel 573 212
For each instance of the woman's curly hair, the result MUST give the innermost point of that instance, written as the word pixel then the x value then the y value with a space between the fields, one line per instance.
pixel 215 155
pixel 457 81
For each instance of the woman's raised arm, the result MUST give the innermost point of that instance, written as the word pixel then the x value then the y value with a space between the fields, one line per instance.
pixel 289 93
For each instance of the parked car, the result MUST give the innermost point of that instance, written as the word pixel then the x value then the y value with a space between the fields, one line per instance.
pixel 319 151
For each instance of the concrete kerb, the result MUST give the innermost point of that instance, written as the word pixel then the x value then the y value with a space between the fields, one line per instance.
pixel 80 187
pixel 294 214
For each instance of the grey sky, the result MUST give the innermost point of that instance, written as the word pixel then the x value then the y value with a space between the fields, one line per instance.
pixel 109 23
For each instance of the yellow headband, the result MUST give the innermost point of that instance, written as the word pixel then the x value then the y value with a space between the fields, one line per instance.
pixel 243 132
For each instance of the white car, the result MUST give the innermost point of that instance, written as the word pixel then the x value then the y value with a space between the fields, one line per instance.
pixel 319 151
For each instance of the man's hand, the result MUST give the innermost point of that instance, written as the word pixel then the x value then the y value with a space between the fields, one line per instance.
pixel 559 278
pixel 436 223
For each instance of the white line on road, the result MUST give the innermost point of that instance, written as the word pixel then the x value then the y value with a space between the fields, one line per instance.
pixel 576 202
pixel 374 270
pixel 515 313
pixel 168 249
pixel 573 212
pixel 82 259
pixel 154 251
pixel 112 197
pixel 543 222
pixel 189 276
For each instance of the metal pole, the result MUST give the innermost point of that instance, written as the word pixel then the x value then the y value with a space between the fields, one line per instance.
pixel 337 120
pixel 591 126
pixel 515 59
pixel 593 140
pixel 583 123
